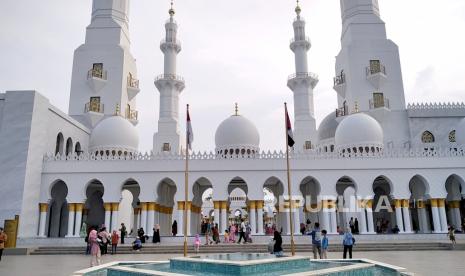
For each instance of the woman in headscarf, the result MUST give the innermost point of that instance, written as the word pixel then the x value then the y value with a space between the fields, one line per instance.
pixel 278 244
pixel 95 253
pixel 174 228
pixel 156 234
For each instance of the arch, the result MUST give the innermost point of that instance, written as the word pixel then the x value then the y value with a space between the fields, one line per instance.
pixel 310 189
pixel 383 217
pixel 343 182
pixel 419 187
pixel 130 191
pixel 456 203
pixel 59 144
pixel 421 216
pixel 77 148
pixel 166 189
pixel 69 146
pixel 427 137
pixel 58 210
pixel 384 181
pixel 95 214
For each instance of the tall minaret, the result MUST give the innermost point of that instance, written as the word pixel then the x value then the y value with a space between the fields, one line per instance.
pixel 368 71
pixel 104 74
pixel 170 85
pixel 302 84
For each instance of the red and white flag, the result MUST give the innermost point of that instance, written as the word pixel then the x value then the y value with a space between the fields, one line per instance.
pixel 290 135
pixel 189 133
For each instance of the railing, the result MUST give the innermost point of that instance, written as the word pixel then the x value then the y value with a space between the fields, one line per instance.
pixel 99 74
pixel 169 77
pixel 378 103
pixel 303 75
pixel 342 111
pixel 371 70
pixel 341 79
pixel 133 83
pixel 94 107
pixel 170 41
pixel 132 114
pixel 304 39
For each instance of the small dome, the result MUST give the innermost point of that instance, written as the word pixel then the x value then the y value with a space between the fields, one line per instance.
pixel 328 126
pixel 359 132
pixel 460 133
pixel 114 134
pixel 237 135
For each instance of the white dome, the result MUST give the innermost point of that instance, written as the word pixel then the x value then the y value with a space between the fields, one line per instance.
pixel 460 133
pixel 114 134
pixel 359 131
pixel 237 134
pixel 328 126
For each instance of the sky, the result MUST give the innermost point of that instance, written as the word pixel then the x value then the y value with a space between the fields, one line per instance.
pixel 233 51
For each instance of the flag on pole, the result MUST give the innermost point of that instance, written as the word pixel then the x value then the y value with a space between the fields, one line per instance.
pixel 290 135
pixel 189 133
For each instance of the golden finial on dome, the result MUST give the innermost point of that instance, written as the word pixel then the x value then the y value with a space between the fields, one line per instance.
pixel 171 11
pixel 298 9
pixel 117 110
pixel 236 110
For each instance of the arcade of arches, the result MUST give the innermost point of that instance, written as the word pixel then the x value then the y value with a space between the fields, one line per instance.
pixel 420 213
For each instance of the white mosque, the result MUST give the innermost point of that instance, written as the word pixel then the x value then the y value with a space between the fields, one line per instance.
pixel 60 170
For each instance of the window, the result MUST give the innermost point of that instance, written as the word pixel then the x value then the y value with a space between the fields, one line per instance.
pixel 375 66
pixel 308 145
pixel 97 70
pixel 94 104
pixel 59 144
pixel 452 136
pixel 378 100
pixel 427 137
pixel 166 147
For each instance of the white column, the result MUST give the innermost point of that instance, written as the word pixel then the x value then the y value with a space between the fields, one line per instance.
pixel 188 219
pixel 296 218
pixel 143 216
pixel 442 214
pixel 435 214
pixel 150 218
pixel 135 225
pixel 78 222
pixel 156 214
pixel 363 221
pixel 287 222
pixel 422 217
pixel 71 211
pixel 370 222
pixel 107 207
pixel 406 213
pixel 455 213
pixel 333 221
pixel 216 205
pixel 399 220
pixel 114 217
pixel 324 223
pixel 181 207
pixel 43 207
pixel 224 217
pixel 252 217
pixel 260 217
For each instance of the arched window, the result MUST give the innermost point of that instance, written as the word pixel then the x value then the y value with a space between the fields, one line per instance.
pixel 69 146
pixel 77 148
pixel 452 136
pixel 427 137
pixel 59 144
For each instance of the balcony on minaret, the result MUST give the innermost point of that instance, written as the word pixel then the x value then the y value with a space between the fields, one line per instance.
pixel 379 101
pixel 304 77
pixel 376 74
pixel 303 42
pixel 132 87
pixel 166 44
pixel 340 84
pixel 132 116
pixel 173 80
pixel 94 111
pixel 96 78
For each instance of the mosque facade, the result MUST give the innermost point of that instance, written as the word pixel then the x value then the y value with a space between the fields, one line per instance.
pixel 61 170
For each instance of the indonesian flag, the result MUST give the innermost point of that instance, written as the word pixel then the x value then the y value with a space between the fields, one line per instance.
pixel 189 133
pixel 290 135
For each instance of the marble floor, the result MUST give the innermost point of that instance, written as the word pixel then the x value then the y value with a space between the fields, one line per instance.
pixel 420 262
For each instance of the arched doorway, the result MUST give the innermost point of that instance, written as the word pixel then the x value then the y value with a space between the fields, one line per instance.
pixel 203 202
pixel 273 188
pixel 165 199
pixel 455 207
pixel 347 193
pixel 383 215
pixel 129 203
pixel 58 211
pixel 59 144
pixel 95 211
pixel 421 211
pixel 310 189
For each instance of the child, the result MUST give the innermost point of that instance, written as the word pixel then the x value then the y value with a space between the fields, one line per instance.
pixel 451 235
pixel 197 243
pixel 226 236
pixel 324 245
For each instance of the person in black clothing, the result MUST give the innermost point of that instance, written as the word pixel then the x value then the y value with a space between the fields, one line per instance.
pixel 174 228
pixel 156 234
pixel 278 244
pixel 356 226
pixel 123 232
pixel 141 235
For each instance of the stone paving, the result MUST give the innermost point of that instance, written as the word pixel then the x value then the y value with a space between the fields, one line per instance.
pixel 420 262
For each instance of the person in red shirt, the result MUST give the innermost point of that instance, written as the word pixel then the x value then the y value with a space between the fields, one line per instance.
pixel 114 241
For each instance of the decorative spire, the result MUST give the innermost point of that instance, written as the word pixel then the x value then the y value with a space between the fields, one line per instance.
pixel 172 11
pixel 236 110
pixel 298 9
pixel 117 111
pixel 356 108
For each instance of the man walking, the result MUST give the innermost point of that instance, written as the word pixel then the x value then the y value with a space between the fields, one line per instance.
pixel 316 240
pixel 242 232
pixel 123 232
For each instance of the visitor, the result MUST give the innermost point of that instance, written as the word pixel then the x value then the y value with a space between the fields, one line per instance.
pixel 232 235
pixel 123 232
pixel 216 234
pixel 141 234
pixel 357 231
pixel 197 243
pixel 174 228
pixel 3 239
pixel 226 236
pixel 339 230
pixel 348 242
pixel 248 231
pixel 324 245
pixel 395 230
pixel 95 253
pixel 137 244
pixel 308 226
pixel 208 233
pixel 302 228
pixel 451 235
pixel 105 238
pixel 378 226
pixel 114 242
pixel 156 234
pixel 86 239
pixel 242 232
pixel 278 242
pixel 316 240
pixel 351 225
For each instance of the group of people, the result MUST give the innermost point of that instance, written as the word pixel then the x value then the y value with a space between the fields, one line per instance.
pixel 98 240
pixel 211 232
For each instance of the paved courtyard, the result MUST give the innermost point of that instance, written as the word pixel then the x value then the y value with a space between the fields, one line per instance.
pixel 420 262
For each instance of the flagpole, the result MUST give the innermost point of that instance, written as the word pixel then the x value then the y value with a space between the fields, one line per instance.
pixel 186 189
pixel 289 184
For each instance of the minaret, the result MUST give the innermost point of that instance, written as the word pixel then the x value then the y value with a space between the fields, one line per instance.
pixel 170 85
pixel 368 71
pixel 104 70
pixel 302 84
